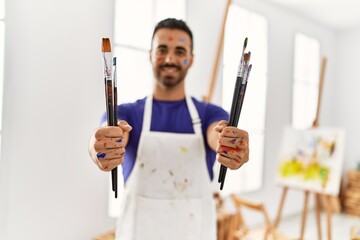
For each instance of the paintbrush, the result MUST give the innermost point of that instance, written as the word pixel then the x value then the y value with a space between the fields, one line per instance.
pixel 238 99
pixel 242 89
pixel 107 60
pixel 114 174
pixel 235 97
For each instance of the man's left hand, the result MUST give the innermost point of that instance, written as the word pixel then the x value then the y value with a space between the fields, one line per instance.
pixel 233 146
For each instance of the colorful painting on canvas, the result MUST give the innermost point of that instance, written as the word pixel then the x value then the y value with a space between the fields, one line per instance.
pixel 312 159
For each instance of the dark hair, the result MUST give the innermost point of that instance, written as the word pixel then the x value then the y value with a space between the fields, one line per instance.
pixel 173 23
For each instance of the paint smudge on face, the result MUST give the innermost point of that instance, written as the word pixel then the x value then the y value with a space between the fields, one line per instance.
pixel 181 39
pixel 171 38
pixel 234 132
pixel 159 59
pixel 186 62
pixel 233 141
pixel 101 155
pixel 105 144
pixel 119 140
pixel 183 149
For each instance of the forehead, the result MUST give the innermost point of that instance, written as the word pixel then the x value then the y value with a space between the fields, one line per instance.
pixel 170 37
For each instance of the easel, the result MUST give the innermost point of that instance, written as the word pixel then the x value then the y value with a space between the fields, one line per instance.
pixel 317 195
pixel 208 96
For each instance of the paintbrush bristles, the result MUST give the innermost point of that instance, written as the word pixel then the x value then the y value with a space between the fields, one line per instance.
pixel 106 46
pixel 245 42
pixel 247 56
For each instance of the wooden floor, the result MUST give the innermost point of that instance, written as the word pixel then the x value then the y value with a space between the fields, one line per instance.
pixel 341 226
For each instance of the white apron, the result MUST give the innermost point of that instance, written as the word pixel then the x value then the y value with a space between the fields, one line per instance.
pixel 168 194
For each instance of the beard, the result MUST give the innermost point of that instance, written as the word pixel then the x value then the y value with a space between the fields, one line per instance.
pixel 172 78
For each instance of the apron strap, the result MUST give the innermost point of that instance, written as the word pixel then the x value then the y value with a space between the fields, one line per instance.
pixel 196 121
pixel 147 114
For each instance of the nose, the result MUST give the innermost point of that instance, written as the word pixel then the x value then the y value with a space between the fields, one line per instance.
pixel 169 58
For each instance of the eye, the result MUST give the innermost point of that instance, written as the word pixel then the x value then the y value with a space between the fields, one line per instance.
pixel 180 52
pixel 161 51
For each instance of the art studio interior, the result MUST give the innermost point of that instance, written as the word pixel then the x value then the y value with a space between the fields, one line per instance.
pixel 301 112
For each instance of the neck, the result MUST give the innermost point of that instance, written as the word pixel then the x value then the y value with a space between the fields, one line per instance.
pixel 169 94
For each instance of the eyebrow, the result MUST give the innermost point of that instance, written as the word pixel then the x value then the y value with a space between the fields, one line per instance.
pixel 162 46
pixel 181 48
pixel 177 47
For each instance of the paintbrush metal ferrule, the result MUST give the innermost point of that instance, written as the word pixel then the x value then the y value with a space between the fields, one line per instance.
pixel 114 74
pixel 107 66
pixel 241 67
pixel 248 72
pixel 245 65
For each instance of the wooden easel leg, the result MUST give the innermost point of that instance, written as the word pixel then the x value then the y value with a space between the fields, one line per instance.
pixel 281 206
pixel 328 216
pixel 317 215
pixel 304 215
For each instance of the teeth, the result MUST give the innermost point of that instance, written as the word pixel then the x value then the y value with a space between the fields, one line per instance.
pixel 169 69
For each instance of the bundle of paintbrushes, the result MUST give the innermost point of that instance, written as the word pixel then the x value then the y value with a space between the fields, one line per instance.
pixel 110 95
pixel 238 99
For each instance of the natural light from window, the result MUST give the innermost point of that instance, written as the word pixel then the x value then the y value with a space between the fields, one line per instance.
pixel 242 23
pixel 306 81
pixel 132 40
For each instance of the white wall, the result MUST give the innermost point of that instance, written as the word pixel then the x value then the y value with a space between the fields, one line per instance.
pixel 54 98
pixel 346 95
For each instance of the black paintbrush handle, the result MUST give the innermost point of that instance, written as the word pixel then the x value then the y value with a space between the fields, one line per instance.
pixel 114 172
pixel 231 119
pixel 109 103
pixel 238 99
pixel 240 104
pixel 110 121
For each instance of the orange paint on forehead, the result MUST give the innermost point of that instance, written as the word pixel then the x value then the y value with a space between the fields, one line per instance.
pixel 173 36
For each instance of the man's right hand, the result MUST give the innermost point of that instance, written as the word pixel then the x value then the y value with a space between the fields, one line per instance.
pixel 107 145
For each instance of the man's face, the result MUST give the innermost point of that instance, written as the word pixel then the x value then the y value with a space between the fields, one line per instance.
pixel 170 56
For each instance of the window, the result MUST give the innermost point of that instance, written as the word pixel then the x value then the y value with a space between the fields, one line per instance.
pixel 242 23
pixel 132 39
pixel 134 24
pixel 306 81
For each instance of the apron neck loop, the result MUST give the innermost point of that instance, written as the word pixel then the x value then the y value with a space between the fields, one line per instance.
pixel 196 121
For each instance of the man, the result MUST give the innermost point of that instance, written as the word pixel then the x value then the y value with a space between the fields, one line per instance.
pixel 171 141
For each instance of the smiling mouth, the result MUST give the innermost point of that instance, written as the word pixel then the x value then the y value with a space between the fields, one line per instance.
pixel 169 69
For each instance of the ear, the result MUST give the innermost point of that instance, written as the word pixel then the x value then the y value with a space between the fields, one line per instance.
pixel 191 60
pixel 150 56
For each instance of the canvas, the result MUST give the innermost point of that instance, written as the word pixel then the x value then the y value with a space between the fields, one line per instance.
pixel 312 159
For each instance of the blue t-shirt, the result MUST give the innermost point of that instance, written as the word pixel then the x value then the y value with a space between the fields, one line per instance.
pixel 167 116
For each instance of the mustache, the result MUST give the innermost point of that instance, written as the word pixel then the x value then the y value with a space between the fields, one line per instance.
pixel 170 65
